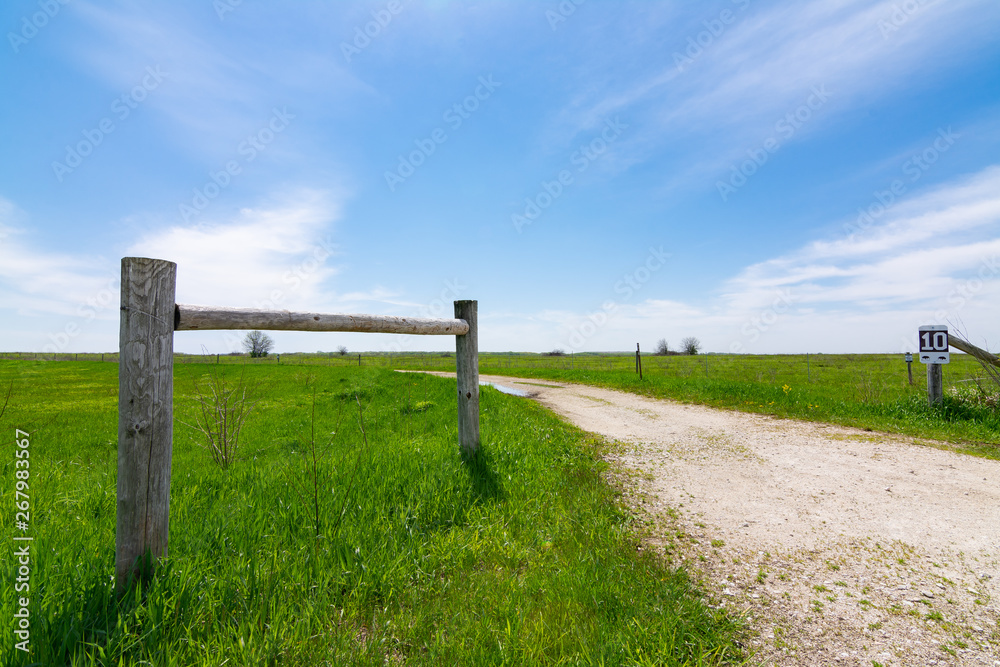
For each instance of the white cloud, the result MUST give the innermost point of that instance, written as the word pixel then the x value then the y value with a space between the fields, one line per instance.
pixel 215 87
pixel 916 251
pixel 275 256
pixel 764 65
pixel 934 258
pixel 36 281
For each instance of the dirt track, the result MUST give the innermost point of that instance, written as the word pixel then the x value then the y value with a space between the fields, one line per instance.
pixel 841 546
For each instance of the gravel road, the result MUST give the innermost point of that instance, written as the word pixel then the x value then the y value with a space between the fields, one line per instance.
pixel 839 546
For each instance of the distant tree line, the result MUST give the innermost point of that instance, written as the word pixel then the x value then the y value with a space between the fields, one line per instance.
pixel 689 345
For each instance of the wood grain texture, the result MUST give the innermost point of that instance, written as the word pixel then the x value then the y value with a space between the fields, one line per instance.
pixel 467 362
pixel 145 415
pixel 198 318
pixel 977 352
pixel 935 384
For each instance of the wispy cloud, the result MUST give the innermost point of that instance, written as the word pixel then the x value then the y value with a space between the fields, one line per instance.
pixel 765 61
pixel 922 246
pixel 217 84
pixel 935 258
pixel 37 281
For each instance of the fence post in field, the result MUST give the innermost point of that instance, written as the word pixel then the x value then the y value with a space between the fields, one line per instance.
pixel 149 317
pixel 467 372
pixel 145 415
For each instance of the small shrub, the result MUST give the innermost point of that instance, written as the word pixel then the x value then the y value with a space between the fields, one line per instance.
pixel 223 408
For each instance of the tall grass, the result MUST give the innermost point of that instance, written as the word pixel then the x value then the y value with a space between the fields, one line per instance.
pixel 520 556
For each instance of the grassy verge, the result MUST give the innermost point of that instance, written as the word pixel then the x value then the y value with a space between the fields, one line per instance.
pixel 349 531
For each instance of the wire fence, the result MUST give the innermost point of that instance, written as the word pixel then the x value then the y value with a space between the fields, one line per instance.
pixel 745 368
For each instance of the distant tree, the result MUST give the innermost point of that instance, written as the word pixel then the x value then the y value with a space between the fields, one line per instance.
pixel 257 343
pixel 661 347
pixel 691 345
pixel 342 350
pixel 555 353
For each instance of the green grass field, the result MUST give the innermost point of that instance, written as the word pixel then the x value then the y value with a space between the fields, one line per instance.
pixel 867 391
pixel 386 547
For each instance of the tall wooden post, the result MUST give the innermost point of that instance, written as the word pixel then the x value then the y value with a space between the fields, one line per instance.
pixel 145 415
pixel 935 384
pixel 467 372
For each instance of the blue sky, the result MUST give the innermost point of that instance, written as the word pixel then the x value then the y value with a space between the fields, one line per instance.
pixel 766 176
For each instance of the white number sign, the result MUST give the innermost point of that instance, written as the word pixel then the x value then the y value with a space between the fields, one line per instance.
pixel 934 344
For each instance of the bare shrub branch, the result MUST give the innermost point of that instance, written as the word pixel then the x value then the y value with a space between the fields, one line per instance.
pixel 223 409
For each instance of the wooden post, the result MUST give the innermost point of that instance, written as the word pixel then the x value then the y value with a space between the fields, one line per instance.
pixel 935 384
pixel 638 361
pixel 909 367
pixel 145 416
pixel 467 373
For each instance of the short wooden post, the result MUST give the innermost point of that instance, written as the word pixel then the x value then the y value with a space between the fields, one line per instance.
pixel 638 361
pixel 467 372
pixel 145 415
pixel 935 384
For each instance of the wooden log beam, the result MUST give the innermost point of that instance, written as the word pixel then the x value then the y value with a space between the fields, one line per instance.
pixel 977 352
pixel 201 318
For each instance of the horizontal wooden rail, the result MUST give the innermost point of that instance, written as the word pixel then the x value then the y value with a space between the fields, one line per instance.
pixel 977 352
pixel 149 318
pixel 200 318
